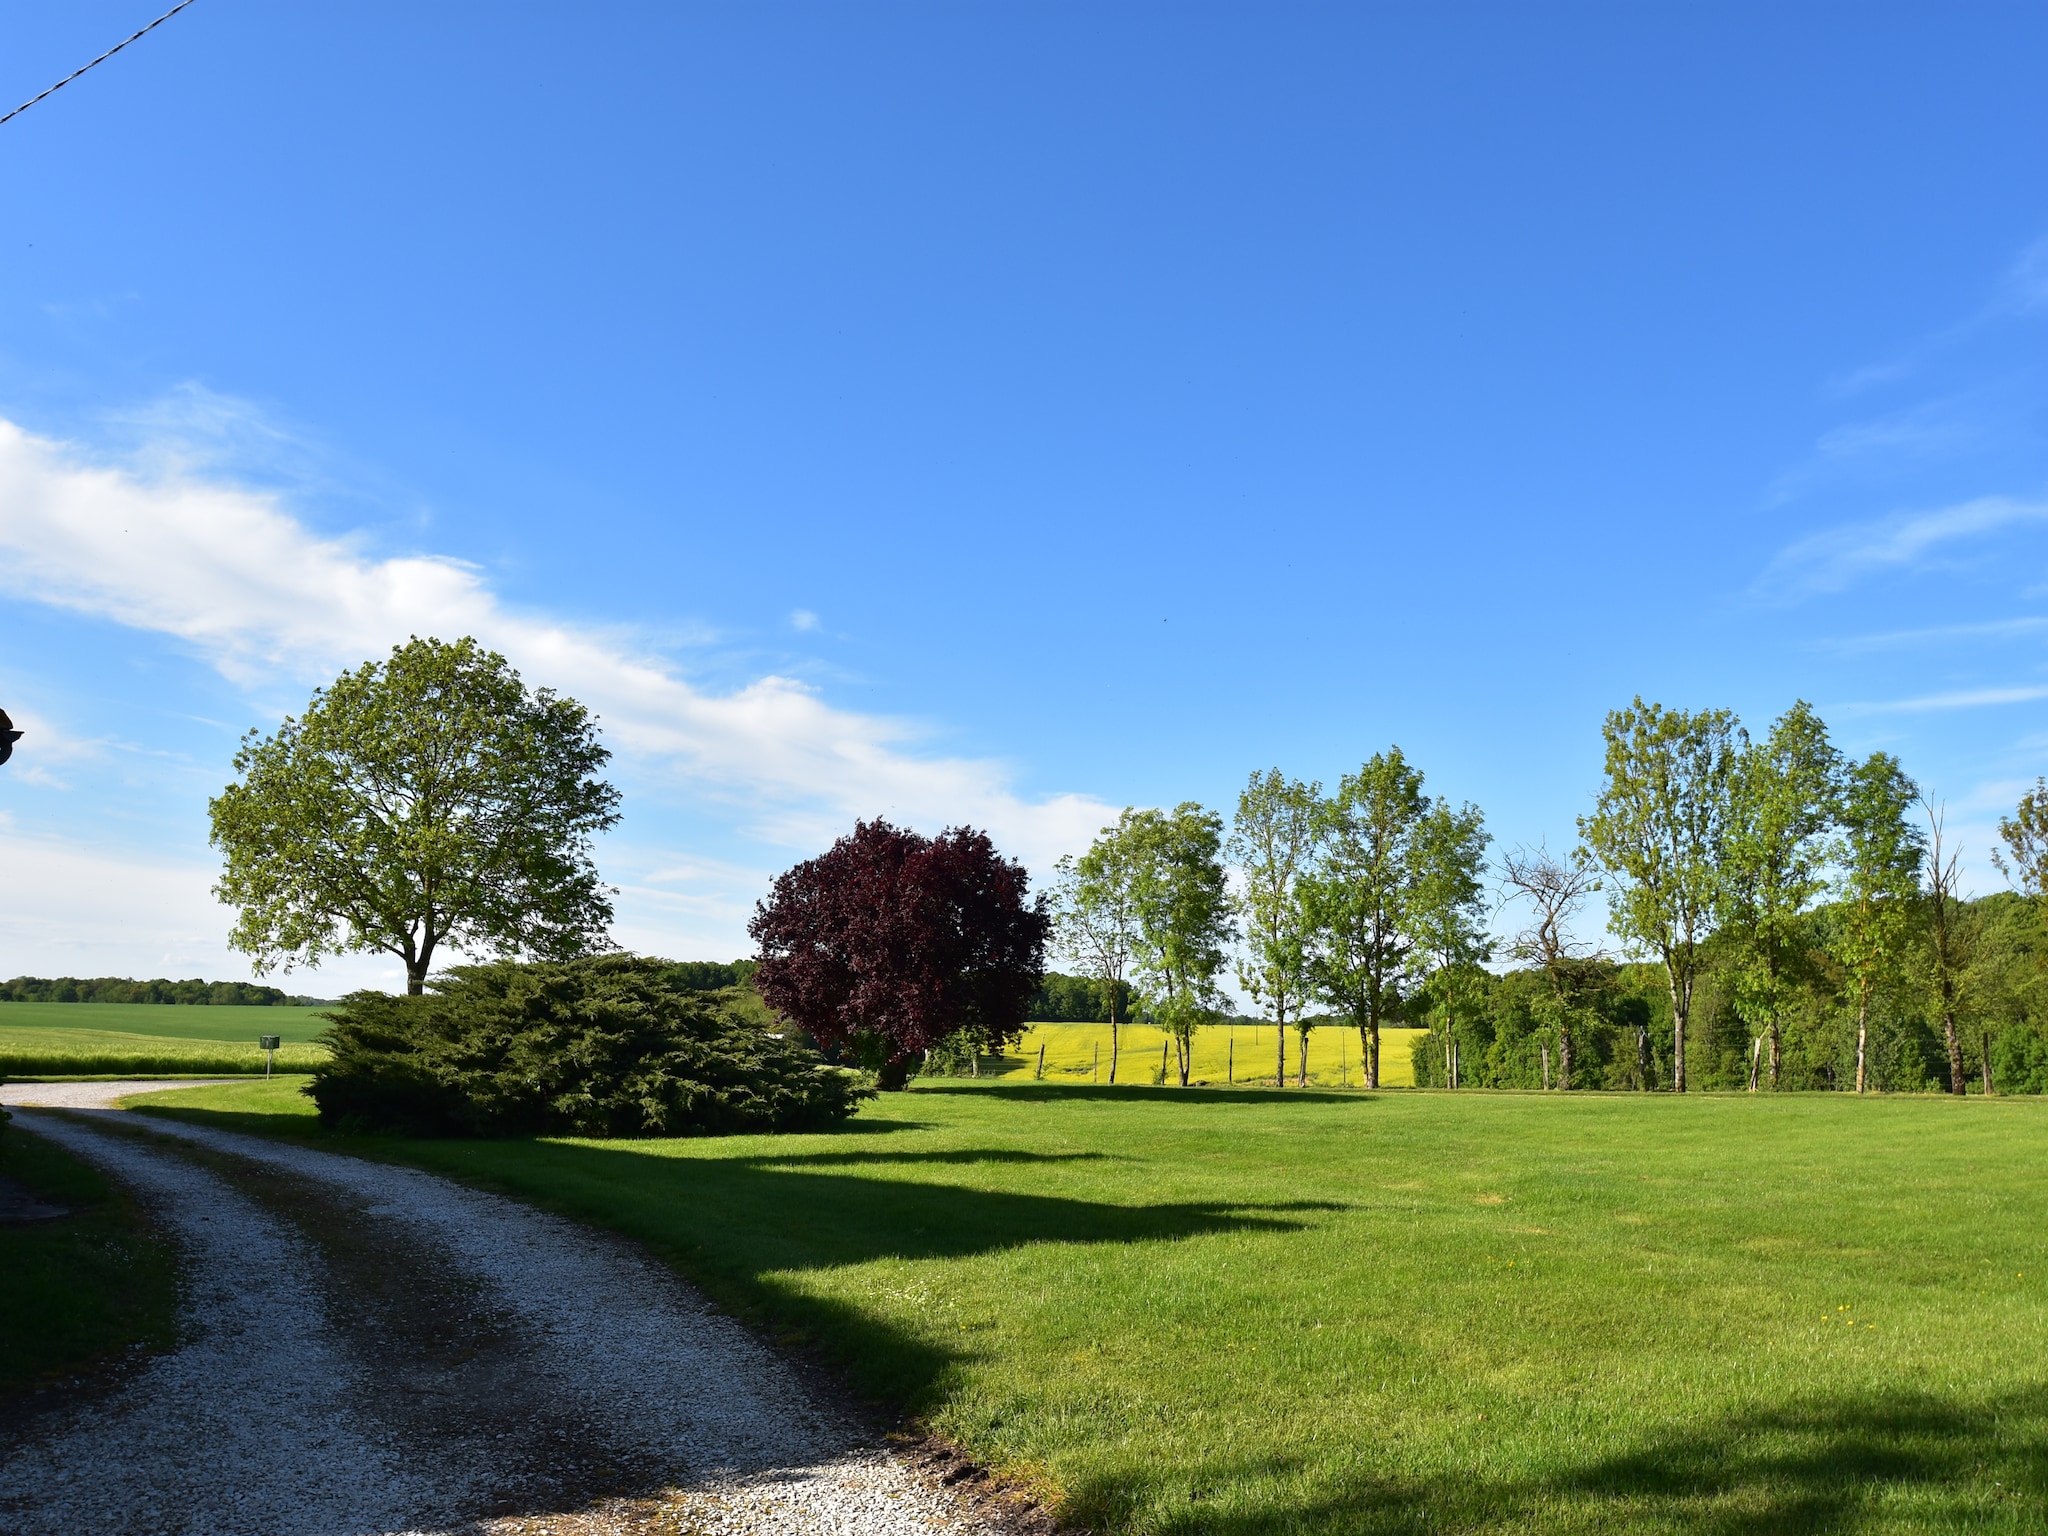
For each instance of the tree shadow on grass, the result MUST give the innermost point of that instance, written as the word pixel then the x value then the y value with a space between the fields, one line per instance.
pixel 1883 1462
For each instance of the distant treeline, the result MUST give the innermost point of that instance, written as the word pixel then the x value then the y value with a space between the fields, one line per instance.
pixel 124 989
pixel 707 975
pixel 1064 999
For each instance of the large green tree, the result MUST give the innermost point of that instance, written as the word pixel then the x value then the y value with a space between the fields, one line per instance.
pixel 1273 844
pixel 1183 909
pixel 1358 899
pixel 1782 799
pixel 1877 855
pixel 429 799
pixel 1657 831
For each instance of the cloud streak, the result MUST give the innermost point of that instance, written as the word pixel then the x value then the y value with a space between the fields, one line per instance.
pixel 230 573
pixel 1839 557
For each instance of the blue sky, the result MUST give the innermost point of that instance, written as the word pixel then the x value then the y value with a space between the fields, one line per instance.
pixel 1005 413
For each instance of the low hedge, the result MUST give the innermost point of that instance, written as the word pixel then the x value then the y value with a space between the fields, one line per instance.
pixel 610 1046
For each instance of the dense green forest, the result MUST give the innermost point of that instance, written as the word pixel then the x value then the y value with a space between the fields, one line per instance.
pixel 1619 1016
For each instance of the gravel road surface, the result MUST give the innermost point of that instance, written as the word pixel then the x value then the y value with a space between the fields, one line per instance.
pixel 373 1349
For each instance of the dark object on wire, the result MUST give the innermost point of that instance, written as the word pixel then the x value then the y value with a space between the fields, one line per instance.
pixel 167 15
pixel 8 736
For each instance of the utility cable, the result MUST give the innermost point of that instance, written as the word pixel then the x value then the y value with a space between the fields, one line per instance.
pixel 167 15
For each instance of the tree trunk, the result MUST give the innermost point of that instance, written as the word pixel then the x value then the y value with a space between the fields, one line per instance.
pixel 1544 1046
pixel 1184 1051
pixel 1756 1051
pixel 1456 1065
pixel 894 1074
pixel 1958 1080
pixel 1301 1058
pixel 1279 1057
pixel 1230 1071
pixel 1679 1009
pixel 1642 1061
pixel 1112 1040
pixel 1777 1052
pixel 1041 1060
pixel 1862 1035
pixel 1371 1063
pixel 1986 1064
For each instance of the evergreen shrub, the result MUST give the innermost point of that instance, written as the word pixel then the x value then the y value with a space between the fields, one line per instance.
pixel 609 1046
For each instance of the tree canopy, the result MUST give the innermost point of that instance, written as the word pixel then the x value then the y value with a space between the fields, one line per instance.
pixel 889 941
pixel 429 799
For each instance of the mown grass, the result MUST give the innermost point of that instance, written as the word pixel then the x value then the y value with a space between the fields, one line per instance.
pixel 150 1039
pixel 1252 1311
pixel 80 1289
pixel 1241 1053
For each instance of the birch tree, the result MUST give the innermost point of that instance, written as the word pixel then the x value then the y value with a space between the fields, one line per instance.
pixel 1182 905
pixel 1447 904
pixel 1358 901
pixel 1946 957
pixel 1656 832
pixel 1877 856
pixel 1095 917
pixel 1273 844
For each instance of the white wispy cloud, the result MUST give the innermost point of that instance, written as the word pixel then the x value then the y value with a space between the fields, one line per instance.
pixel 231 573
pixel 1941 634
pixel 1928 430
pixel 1837 557
pixel 1962 698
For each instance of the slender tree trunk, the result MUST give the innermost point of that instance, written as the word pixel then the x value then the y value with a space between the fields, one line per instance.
pixel 1230 1072
pixel 1371 1063
pixel 1642 1061
pixel 1112 1040
pixel 1777 1052
pixel 1456 1065
pixel 1279 1057
pixel 1756 1052
pixel 1862 1034
pixel 1184 1048
pixel 1959 1082
pixel 1544 1047
pixel 1301 1060
pixel 1681 1005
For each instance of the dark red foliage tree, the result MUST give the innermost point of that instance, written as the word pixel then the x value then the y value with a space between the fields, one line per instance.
pixel 890 941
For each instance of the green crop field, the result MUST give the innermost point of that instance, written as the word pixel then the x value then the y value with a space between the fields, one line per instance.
pixel 1080 1053
pixel 102 1039
pixel 1246 1312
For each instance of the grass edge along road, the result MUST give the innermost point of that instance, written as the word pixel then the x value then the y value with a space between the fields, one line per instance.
pixel 80 1290
pixel 1265 1312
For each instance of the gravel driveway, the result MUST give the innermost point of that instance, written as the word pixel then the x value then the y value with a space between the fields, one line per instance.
pixel 375 1349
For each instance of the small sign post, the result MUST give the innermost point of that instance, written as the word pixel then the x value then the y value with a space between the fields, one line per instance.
pixel 268 1045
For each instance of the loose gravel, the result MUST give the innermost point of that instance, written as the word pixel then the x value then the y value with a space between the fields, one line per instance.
pixel 377 1350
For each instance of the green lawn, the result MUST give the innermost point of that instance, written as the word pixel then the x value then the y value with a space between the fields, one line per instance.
pixel 1257 1312
pixel 82 1288
pixel 120 1039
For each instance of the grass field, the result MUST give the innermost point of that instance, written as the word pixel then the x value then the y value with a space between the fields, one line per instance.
pixel 80 1289
pixel 1249 1312
pixel 103 1039
pixel 1080 1053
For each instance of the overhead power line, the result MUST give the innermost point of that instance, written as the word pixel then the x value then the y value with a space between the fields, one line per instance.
pixel 167 15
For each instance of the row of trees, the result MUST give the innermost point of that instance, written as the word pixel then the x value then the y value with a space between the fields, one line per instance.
pixel 125 989
pixel 1343 899
pixel 1792 887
